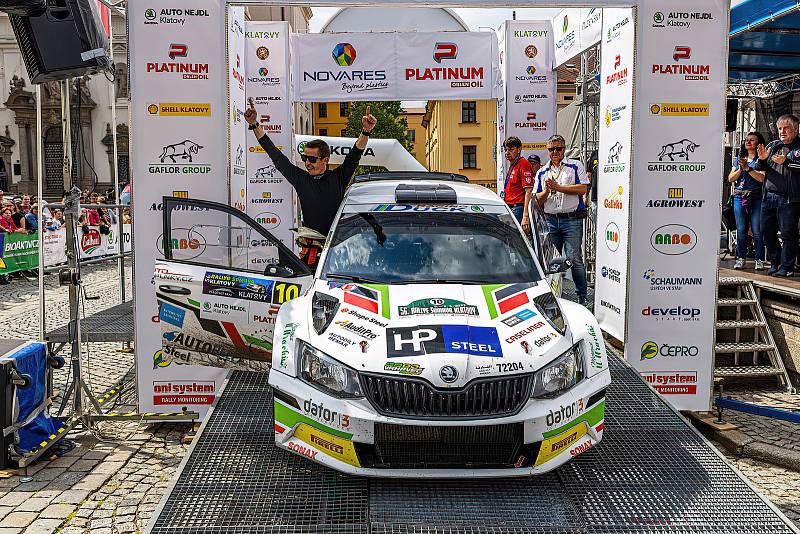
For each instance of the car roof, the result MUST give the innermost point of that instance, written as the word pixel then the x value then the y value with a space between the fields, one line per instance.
pixel 383 192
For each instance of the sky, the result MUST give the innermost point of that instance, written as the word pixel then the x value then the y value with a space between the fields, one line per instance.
pixel 475 18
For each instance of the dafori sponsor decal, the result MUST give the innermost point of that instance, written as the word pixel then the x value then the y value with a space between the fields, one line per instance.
pixel 183 392
pixel 180 109
pixel 326 415
pixel 673 382
pixel 674 109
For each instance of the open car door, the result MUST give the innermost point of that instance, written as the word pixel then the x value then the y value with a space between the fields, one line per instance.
pixel 220 285
pixel 543 244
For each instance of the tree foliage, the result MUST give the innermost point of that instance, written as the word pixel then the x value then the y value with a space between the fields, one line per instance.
pixel 392 124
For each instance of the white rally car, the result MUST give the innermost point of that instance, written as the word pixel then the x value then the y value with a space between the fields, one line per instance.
pixel 429 343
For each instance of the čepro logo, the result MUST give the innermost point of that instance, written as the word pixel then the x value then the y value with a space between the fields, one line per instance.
pixel 651 349
pixel 439 339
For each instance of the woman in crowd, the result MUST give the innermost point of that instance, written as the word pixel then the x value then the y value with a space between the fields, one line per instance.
pixel 7 222
pixel 747 192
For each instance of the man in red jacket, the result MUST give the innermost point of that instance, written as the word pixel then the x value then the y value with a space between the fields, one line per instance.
pixel 519 182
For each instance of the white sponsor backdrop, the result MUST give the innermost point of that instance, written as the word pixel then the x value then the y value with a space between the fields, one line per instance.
pixel 614 169
pixel 237 141
pixel 387 153
pixel 501 108
pixel 575 30
pixel 394 66
pixel 269 195
pixel 676 204
pixel 179 143
pixel 530 83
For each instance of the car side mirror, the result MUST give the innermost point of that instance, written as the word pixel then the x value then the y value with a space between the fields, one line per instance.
pixel 558 265
pixel 278 271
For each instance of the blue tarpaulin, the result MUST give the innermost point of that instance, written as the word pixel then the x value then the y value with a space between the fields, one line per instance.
pixel 31 359
pixel 764 40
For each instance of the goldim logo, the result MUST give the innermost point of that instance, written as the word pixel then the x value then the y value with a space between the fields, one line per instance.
pixel 344 54
pixel 444 51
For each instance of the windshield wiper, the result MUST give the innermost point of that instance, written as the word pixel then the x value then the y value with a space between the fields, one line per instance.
pixel 349 278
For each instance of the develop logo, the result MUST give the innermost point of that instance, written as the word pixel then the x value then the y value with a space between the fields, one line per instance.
pixel 677 313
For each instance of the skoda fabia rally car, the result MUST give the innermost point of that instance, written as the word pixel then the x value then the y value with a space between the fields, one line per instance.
pixel 429 343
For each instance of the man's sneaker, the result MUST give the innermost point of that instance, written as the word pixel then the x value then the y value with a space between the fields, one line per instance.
pixel 739 265
pixel 759 265
pixel 782 273
pixel 581 300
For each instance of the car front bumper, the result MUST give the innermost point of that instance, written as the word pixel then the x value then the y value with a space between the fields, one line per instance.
pixel 349 435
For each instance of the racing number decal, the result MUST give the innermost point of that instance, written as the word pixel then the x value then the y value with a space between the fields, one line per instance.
pixel 284 292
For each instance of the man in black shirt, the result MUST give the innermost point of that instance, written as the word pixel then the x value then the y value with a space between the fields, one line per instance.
pixel 780 209
pixel 319 189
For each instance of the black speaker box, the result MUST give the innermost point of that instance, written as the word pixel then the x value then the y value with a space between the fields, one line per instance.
pixel 65 41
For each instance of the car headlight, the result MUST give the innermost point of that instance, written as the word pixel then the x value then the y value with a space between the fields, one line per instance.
pixel 324 373
pixel 559 376
pixel 548 305
pixel 323 308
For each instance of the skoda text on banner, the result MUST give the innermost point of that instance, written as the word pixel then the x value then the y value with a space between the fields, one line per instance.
pixel 530 85
pixel 673 254
pixel 393 66
pixel 178 123
pixel 237 131
pixel 269 195
pixel 614 170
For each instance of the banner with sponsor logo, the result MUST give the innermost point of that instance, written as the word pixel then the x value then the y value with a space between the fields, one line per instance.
pixel 348 67
pixel 575 30
pixel 501 109
pixel 614 169
pixel 387 153
pixel 237 141
pixel 676 198
pixel 20 252
pixel 530 84
pixel 270 198
pixel 179 148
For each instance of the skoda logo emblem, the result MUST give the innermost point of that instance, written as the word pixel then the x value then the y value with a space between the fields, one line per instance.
pixel 448 374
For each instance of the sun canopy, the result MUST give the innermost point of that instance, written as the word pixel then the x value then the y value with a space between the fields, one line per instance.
pixel 764 40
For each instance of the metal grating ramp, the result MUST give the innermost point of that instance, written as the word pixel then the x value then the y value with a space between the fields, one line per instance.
pixel 112 324
pixel 651 473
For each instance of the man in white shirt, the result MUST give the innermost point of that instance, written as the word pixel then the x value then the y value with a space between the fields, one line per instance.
pixel 560 189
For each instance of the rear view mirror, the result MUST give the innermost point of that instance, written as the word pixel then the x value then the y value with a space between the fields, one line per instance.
pixel 558 265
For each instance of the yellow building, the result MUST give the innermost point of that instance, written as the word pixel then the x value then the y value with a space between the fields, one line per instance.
pixel 330 118
pixel 416 133
pixel 461 137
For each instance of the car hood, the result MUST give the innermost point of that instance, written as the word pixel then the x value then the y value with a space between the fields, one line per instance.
pixel 448 334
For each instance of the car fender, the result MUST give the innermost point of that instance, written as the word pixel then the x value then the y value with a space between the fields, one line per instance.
pixel 291 324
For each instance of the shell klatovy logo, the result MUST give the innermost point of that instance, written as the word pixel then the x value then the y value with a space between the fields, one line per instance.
pixel 344 54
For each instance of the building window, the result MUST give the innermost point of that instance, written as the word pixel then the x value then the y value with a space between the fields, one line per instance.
pixel 470 156
pixel 323 131
pixel 344 109
pixel 411 136
pixel 323 111
pixel 468 113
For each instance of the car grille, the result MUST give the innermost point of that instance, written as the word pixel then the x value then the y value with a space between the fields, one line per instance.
pixel 420 447
pixel 415 398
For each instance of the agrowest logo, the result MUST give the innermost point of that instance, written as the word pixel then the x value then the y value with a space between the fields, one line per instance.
pixel 344 54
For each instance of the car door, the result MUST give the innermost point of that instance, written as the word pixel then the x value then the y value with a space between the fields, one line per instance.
pixel 543 244
pixel 220 285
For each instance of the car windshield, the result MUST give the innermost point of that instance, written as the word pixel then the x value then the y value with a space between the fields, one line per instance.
pixel 430 247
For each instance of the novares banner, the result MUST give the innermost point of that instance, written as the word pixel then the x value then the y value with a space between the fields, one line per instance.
pixel 387 153
pixel 575 30
pixel 394 66
pixel 530 86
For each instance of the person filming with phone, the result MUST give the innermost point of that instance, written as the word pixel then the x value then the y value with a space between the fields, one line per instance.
pixel 747 192
pixel 319 189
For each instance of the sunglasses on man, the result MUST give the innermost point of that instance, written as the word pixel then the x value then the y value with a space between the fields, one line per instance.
pixel 555 149
pixel 312 159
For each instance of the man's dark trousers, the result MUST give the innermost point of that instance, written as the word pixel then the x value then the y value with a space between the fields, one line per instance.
pixel 778 214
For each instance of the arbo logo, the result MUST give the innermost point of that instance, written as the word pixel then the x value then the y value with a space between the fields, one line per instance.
pixel 673 239
pixel 185 244
pixel 344 54
pixel 268 220
pixel 612 237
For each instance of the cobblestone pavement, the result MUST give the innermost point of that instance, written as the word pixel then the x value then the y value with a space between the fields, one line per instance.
pixel 114 478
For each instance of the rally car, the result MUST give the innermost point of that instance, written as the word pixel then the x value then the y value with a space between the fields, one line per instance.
pixel 429 342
